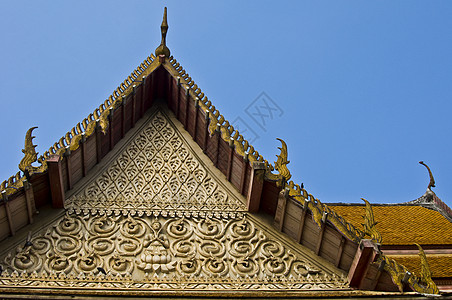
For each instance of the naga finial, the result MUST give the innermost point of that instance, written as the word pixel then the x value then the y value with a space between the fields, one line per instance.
pixel 370 224
pixel 30 153
pixel 432 180
pixel 426 275
pixel 163 49
pixel 281 162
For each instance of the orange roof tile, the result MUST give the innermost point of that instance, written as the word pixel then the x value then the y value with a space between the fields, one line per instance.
pixel 402 224
pixel 440 264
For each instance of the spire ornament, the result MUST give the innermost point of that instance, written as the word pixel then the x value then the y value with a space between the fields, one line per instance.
pixel 163 49
pixel 432 180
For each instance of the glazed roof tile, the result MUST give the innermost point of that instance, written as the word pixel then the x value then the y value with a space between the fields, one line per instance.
pixel 440 264
pixel 402 224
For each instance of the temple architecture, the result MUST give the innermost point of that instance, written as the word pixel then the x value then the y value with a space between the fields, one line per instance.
pixel 156 194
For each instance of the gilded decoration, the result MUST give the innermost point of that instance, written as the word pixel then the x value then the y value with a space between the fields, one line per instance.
pixel 16 182
pixel 425 283
pixel 399 274
pixel 162 253
pixel 29 151
pixel 163 49
pixel 130 201
pixel 369 225
pixel 280 166
pixel 98 119
pixel 157 171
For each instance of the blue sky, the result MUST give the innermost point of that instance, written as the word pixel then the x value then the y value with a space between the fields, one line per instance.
pixel 362 90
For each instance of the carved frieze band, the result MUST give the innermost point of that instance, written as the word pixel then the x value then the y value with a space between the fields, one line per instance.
pixel 161 253
pixel 156 172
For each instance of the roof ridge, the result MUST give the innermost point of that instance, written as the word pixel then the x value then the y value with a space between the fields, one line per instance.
pixel 431 201
pixel 245 149
pixel 218 123
pixel 70 141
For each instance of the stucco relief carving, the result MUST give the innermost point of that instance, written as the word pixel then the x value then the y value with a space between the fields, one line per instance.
pixel 157 171
pixel 230 252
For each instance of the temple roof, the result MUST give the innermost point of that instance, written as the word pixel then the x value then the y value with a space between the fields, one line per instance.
pixel 440 264
pixel 84 150
pixel 401 224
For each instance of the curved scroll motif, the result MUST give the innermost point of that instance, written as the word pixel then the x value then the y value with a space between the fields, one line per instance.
pixel 153 249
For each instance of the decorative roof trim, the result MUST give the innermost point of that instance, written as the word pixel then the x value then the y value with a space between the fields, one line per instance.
pixel 243 148
pixel 99 118
pixel 400 275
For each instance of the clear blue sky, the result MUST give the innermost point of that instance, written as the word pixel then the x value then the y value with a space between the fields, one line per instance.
pixel 364 87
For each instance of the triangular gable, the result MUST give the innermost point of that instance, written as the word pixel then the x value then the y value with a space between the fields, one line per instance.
pixel 157 215
pixel 157 169
pixel 91 145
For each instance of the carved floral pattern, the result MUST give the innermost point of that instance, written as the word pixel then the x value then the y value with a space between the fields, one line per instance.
pixel 156 171
pixel 143 249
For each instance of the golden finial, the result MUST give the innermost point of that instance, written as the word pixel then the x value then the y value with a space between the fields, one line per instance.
pixel 162 49
pixel 29 150
pixel 432 180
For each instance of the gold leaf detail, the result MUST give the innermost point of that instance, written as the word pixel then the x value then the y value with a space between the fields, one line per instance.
pixel 370 228
pixel 29 150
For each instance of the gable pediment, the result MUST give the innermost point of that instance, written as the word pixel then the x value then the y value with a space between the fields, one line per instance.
pixel 157 169
pixel 155 217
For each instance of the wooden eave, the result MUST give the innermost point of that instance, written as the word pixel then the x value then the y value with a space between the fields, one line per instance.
pixel 295 212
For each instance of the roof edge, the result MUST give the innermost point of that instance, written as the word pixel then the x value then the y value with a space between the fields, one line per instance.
pixel 99 117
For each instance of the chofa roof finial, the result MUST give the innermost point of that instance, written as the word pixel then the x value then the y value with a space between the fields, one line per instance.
pixel 432 180
pixel 163 49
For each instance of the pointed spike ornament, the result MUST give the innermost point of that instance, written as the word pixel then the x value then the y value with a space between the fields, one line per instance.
pixel 163 49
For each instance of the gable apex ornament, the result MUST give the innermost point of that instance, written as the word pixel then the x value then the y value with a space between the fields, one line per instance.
pixel 163 49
